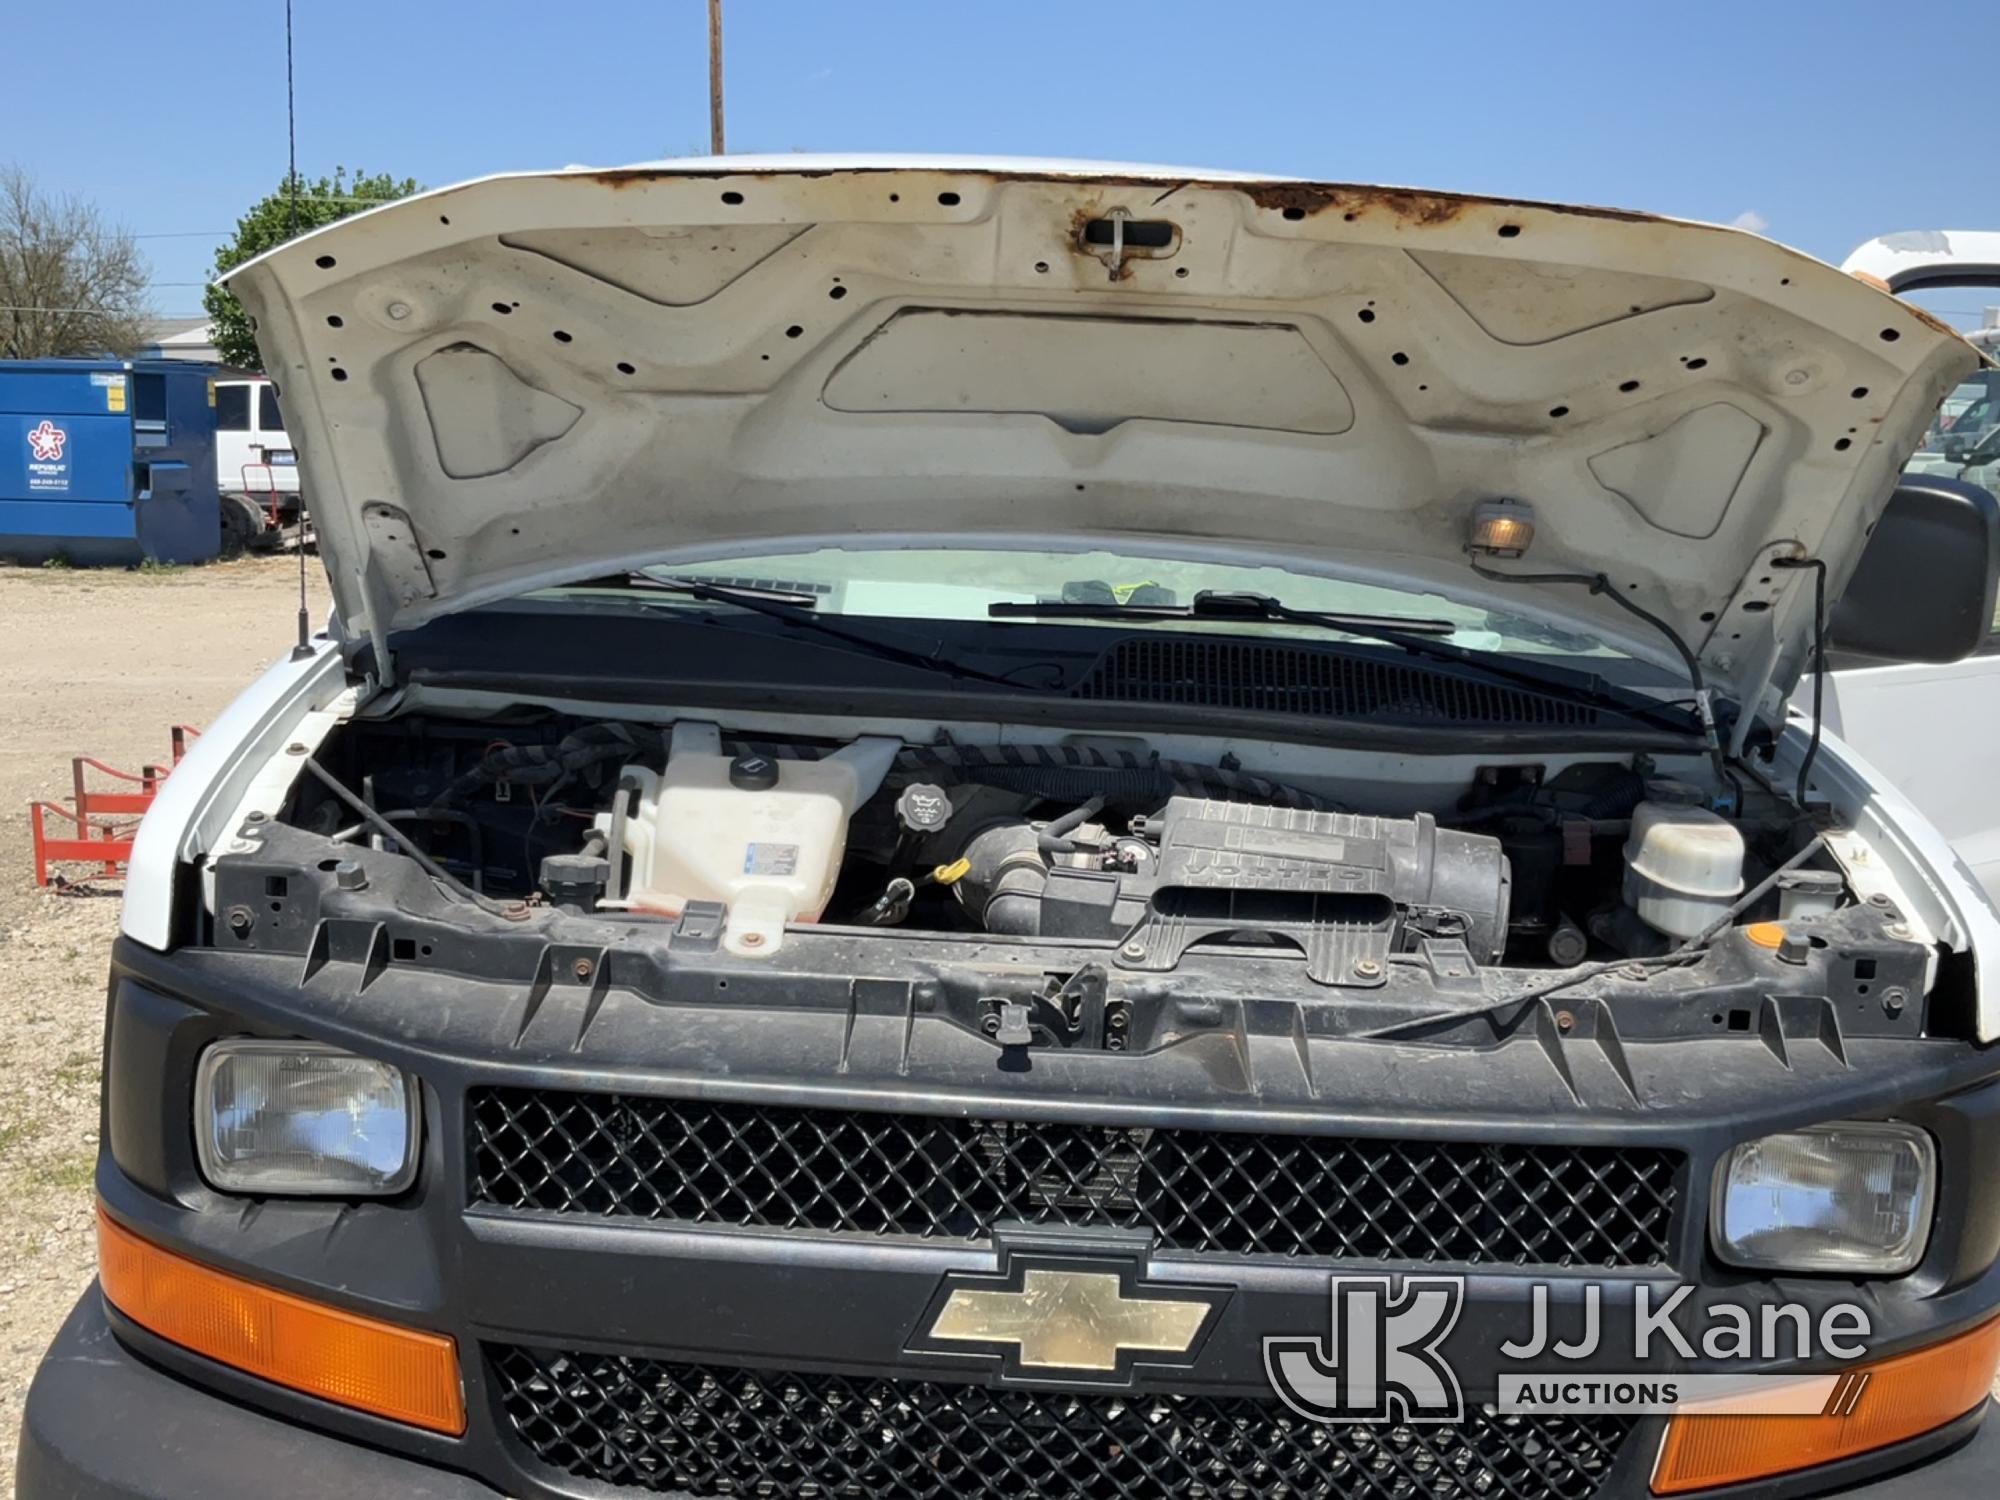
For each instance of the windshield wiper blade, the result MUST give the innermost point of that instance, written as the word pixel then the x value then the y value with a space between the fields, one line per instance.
pixel 1416 636
pixel 698 588
pixel 1211 605
pixel 796 610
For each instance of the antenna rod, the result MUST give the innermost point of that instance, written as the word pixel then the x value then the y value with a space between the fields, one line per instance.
pixel 304 648
pixel 714 77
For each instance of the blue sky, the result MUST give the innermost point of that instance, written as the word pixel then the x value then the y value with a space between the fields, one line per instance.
pixel 1826 123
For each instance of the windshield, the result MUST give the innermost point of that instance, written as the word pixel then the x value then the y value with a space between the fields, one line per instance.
pixel 959 583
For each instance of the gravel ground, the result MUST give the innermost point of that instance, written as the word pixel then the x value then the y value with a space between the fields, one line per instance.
pixel 91 663
pixel 99 664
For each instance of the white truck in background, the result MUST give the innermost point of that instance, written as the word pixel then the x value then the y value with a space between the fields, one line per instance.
pixel 256 466
pixel 1933 729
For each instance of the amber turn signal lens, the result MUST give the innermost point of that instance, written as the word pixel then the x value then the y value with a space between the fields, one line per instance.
pixel 1872 1406
pixel 398 1373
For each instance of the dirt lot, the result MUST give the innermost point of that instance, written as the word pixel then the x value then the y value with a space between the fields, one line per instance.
pixel 96 663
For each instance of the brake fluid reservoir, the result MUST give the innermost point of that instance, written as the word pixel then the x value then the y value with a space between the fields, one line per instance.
pixel 1683 863
pixel 762 836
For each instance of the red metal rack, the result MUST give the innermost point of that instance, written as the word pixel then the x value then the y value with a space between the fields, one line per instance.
pixel 95 825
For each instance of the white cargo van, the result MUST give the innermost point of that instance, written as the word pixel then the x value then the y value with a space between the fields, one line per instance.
pixel 256 466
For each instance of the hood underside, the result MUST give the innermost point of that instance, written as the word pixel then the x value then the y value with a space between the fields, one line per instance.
pixel 534 378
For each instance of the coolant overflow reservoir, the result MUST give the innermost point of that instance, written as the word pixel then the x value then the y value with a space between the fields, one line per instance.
pixel 760 835
pixel 1683 864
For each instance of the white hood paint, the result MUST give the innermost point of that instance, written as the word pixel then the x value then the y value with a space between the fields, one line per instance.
pixel 541 377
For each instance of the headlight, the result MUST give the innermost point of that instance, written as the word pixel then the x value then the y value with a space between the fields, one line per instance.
pixel 1854 1197
pixel 303 1118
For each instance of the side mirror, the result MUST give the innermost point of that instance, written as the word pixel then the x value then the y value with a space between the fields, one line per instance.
pixel 1924 589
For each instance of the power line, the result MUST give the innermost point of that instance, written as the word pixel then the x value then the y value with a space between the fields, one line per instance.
pixel 108 312
pixel 216 234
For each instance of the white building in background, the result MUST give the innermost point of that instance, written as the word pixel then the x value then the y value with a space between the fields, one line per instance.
pixel 1987 335
pixel 180 338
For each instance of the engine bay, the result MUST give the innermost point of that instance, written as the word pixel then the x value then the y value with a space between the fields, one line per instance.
pixel 893 887
pixel 1106 844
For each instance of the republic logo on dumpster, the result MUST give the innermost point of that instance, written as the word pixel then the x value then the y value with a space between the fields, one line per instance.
pixel 47 440
pixel 48 470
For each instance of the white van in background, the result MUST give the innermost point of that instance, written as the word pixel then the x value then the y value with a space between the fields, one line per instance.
pixel 256 467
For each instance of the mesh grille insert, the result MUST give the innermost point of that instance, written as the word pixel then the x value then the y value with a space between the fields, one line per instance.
pixel 1298 680
pixel 1221 1192
pixel 707 1430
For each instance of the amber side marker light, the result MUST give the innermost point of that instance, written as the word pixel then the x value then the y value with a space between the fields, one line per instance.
pixel 387 1371
pixel 1872 1406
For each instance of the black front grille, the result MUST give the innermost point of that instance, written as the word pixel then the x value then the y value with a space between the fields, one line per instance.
pixel 1221 1192
pixel 708 1430
pixel 1289 679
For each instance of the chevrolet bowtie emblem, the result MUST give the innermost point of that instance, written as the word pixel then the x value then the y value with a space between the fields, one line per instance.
pixel 1073 1320
pixel 1079 1312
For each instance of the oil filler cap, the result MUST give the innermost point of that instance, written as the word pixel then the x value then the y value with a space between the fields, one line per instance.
pixel 923 808
pixel 753 773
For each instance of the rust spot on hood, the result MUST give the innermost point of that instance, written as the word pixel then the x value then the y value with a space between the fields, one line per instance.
pixel 1930 320
pixel 1306 197
pixel 1402 205
pixel 1405 204
pixel 625 177
pixel 1300 199
pixel 618 179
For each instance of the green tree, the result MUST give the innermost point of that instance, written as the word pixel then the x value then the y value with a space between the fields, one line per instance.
pixel 267 225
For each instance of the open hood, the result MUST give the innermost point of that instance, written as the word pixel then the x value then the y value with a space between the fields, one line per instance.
pixel 534 378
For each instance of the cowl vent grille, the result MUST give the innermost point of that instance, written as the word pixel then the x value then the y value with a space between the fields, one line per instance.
pixel 1298 680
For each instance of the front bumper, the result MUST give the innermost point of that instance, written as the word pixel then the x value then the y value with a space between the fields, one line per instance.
pixel 830 1310
pixel 101 1424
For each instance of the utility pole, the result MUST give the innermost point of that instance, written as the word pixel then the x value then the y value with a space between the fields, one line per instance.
pixel 715 77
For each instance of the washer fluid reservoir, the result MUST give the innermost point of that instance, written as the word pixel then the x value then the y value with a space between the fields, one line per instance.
pixel 760 835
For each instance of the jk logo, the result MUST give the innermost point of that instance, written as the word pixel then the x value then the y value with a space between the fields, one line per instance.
pixel 1382 1362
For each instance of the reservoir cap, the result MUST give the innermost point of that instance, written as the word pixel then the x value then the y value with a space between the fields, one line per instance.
pixel 753 773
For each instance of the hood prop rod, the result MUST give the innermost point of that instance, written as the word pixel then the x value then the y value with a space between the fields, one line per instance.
pixel 1818 565
pixel 1704 705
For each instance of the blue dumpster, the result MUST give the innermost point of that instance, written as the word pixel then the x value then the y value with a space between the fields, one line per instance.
pixel 108 461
